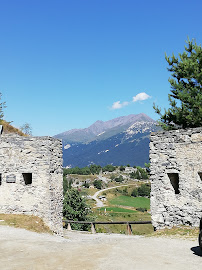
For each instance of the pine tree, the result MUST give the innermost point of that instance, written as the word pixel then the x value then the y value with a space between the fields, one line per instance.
pixel 186 89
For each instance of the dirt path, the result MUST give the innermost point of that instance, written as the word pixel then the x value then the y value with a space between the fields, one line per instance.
pixel 99 203
pixel 24 250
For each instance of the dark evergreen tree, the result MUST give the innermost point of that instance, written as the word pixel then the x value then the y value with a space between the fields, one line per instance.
pixel 109 168
pixel 95 169
pixel 134 192
pixel 122 168
pixel 186 89
pixel 75 208
pixel 144 190
pixel 97 184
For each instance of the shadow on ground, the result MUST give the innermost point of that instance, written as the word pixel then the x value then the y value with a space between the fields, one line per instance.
pixel 197 251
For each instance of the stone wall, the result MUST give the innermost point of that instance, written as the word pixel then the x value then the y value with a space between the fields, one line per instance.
pixel 31 180
pixel 176 177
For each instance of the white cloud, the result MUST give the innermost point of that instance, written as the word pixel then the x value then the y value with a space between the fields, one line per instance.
pixel 118 105
pixel 140 97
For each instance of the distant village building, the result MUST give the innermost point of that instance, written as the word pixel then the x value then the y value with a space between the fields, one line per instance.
pixel 130 170
pixel 176 177
pixel 31 178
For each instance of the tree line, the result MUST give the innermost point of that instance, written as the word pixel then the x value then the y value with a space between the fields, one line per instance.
pixel 142 173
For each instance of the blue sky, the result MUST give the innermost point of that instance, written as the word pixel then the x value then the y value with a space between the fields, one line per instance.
pixel 65 64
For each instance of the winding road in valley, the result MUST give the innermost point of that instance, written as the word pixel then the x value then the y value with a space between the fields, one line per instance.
pixel 99 203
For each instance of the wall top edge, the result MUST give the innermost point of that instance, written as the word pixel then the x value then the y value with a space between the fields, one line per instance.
pixel 29 138
pixel 177 131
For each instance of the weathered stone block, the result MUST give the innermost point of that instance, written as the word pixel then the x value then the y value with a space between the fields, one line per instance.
pixel 177 153
pixel 30 167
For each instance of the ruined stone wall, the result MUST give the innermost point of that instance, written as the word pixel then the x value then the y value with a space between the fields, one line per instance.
pixel 31 180
pixel 176 177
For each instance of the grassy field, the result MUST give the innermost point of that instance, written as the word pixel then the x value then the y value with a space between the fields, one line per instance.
pixel 88 191
pixel 31 223
pixel 117 210
pixel 135 202
pixel 121 214
pixel 180 231
pixel 82 177
pixel 123 208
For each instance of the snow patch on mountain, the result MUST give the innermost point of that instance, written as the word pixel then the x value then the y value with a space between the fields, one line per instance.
pixel 101 133
pixel 139 127
pixel 105 151
pixel 67 146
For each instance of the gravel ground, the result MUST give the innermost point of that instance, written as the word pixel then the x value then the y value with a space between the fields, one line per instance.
pixel 25 250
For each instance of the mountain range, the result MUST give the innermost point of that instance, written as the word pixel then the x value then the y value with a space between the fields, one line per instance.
pixel 120 141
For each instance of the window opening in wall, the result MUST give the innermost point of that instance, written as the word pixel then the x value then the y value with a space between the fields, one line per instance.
pixel 200 175
pixel 174 180
pixel 27 178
